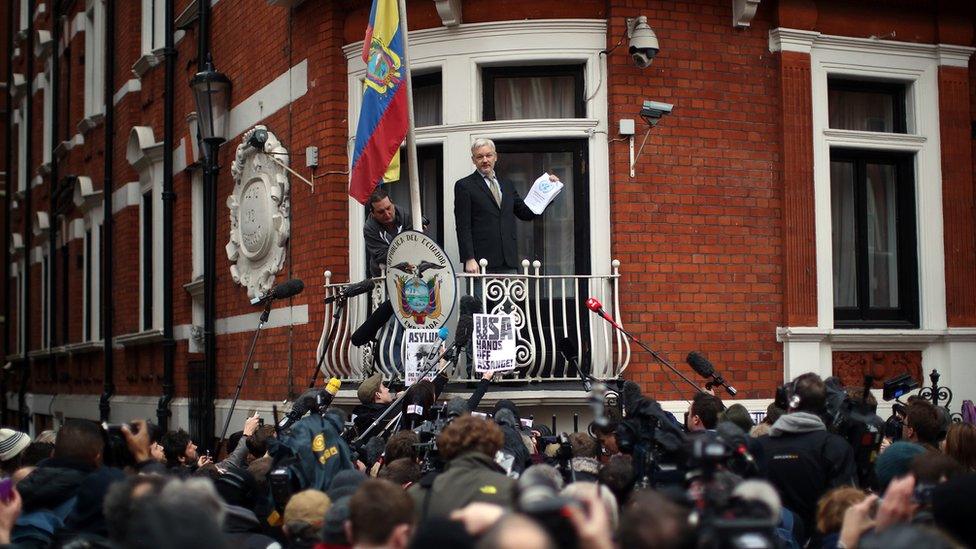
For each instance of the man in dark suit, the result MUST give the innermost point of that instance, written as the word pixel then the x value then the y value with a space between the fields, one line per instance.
pixel 485 209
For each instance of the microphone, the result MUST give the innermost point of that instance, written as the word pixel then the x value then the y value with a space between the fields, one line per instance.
pixel 312 398
pixel 367 331
pixel 704 368
pixel 465 325
pixel 352 290
pixel 567 348
pixel 284 290
pixel 594 305
pixel 442 335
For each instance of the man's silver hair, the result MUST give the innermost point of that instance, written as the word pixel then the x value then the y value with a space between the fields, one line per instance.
pixel 482 142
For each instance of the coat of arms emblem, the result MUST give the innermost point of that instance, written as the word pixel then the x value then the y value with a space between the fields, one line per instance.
pixel 420 281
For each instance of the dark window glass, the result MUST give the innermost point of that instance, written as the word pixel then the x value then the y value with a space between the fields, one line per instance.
pixel 875 262
pixel 866 106
pixel 147 264
pixel 427 104
pixel 88 285
pixel 517 93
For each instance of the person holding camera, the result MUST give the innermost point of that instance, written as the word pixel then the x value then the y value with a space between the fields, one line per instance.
pixel 803 459
pixel 469 445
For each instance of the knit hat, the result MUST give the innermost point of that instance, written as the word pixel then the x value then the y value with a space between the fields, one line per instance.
pixel 895 461
pixel 12 443
pixel 368 388
pixel 345 483
pixel 333 528
pixel 308 506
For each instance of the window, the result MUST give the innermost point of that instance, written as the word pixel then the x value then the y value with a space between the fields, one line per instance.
pixel 95 57
pixel 866 106
pixel 873 225
pixel 45 304
pixel 87 259
pixel 560 238
pixel 48 113
pixel 24 16
pixel 153 25
pixel 22 148
pixel 146 260
pixel 430 164
pixel 427 104
pixel 516 93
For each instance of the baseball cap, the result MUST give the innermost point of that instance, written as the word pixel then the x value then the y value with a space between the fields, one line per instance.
pixel 368 388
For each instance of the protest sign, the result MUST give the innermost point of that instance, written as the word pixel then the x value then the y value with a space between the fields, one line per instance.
pixel 417 346
pixel 494 343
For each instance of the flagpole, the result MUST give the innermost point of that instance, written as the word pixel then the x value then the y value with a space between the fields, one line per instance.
pixel 416 213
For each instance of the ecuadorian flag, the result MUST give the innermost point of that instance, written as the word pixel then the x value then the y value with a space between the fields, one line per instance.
pixel 383 116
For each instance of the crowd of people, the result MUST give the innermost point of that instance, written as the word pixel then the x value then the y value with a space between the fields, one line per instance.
pixel 451 476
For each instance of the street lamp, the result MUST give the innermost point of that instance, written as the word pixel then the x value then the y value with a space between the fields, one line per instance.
pixel 211 91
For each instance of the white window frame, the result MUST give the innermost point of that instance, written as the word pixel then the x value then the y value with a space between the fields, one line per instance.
pixel 48 126
pixel 153 25
pixel 473 46
pixel 92 226
pixel 22 147
pixel 24 16
pixel 917 66
pixel 94 58
pixel 146 156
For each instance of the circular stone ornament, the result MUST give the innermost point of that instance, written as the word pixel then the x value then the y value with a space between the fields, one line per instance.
pixel 260 213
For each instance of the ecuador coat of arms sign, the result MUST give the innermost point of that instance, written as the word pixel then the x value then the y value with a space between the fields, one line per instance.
pixel 420 281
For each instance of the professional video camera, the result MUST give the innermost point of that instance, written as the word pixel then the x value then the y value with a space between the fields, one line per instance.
pixel 855 419
pixel 655 441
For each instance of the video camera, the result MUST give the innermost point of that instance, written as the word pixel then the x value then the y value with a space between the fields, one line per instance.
pixel 116 453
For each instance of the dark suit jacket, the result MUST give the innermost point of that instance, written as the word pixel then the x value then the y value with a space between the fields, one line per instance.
pixel 483 229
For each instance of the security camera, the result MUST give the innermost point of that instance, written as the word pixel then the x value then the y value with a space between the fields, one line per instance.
pixel 653 111
pixel 643 41
pixel 258 139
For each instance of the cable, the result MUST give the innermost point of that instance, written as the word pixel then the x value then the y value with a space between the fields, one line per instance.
pixel 600 67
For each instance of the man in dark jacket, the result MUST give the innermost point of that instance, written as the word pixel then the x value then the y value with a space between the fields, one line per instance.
pixel 50 492
pixel 803 459
pixel 386 220
pixel 374 397
pixel 471 474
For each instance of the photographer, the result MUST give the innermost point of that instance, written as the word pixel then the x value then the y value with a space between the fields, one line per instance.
pixel 469 445
pixel 803 459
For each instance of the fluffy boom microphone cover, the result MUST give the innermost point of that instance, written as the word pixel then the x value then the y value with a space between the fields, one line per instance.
pixel 373 324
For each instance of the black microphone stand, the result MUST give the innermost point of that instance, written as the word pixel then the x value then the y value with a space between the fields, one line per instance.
pixel 656 356
pixel 340 307
pixel 250 354
pixel 393 405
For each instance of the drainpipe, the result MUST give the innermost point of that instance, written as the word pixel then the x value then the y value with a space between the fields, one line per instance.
pixel 107 310
pixel 210 171
pixel 8 166
pixel 169 343
pixel 28 229
pixel 54 194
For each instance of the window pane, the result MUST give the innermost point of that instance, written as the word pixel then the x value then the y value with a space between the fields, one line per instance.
pixel 843 226
pixel 431 177
pixel 427 100
pixel 882 236
pixel 866 106
pixel 521 97
pixel 550 238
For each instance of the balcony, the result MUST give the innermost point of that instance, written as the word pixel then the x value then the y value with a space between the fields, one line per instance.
pixel 550 317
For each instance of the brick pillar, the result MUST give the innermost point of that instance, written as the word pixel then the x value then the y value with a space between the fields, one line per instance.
pixel 957 195
pixel 799 249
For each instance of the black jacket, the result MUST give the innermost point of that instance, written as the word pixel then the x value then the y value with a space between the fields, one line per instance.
pixel 378 238
pixel 48 496
pixel 483 229
pixel 805 462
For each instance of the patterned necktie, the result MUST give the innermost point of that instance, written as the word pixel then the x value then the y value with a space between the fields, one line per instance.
pixel 495 191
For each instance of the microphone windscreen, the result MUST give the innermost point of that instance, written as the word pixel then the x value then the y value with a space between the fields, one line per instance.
pixel 594 305
pixel 288 289
pixel 700 364
pixel 465 327
pixel 630 395
pixel 469 305
pixel 567 347
pixel 374 323
pixel 443 333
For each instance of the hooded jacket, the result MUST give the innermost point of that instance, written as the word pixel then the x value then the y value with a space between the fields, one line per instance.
pixel 467 478
pixel 803 461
